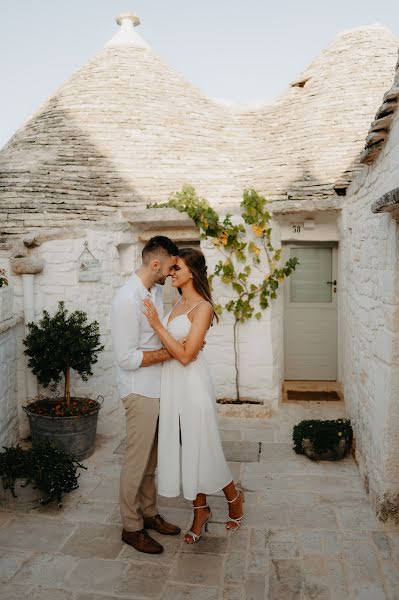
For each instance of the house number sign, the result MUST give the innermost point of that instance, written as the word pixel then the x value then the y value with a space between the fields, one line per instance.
pixel 89 267
pixel 296 228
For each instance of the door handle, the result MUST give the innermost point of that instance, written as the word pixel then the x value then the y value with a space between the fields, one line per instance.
pixel 332 282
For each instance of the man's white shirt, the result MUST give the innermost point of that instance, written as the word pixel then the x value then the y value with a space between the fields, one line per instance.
pixel 131 335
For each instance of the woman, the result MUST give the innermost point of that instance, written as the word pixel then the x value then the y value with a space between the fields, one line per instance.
pixel 187 404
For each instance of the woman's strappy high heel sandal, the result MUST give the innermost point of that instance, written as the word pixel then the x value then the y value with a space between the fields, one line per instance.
pixel 234 524
pixel 195 537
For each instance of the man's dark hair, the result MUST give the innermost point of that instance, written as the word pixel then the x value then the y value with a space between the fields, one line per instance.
pixel 159 244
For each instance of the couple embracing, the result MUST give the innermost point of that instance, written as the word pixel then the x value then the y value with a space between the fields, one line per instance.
pixel 168 395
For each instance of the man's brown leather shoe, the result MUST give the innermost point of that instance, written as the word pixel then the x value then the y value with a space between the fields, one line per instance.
pixel 159 524
pixel 142 541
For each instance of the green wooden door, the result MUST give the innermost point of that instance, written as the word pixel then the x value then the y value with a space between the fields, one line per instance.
pixel 310 322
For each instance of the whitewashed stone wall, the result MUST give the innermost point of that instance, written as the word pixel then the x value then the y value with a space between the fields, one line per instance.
pixel 259 362
pixel 10 368
pixel 60 281
pixel 118 251
pixel 369 327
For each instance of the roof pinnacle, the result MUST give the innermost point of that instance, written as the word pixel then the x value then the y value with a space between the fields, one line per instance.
pixel 128 17
pixel 127 36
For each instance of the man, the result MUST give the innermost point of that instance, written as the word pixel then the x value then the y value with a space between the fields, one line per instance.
pixel 139 356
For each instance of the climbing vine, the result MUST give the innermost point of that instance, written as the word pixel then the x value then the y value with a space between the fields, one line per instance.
pixel 249 263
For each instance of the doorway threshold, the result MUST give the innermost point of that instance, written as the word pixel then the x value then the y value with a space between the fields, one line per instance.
pixel 312 391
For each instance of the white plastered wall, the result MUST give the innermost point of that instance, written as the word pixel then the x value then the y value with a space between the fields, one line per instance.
pixel 370 327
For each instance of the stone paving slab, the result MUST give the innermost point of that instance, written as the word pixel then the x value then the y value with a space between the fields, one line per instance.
pixel 48 570
pixel 35 533
pixel 11 562
pixel 147 581
pixel 309 532
pixel 14 591
pixel 94 540
pixel 200 569
pixel 86 510
pixel 40 593
pixel 184 592
pixel 259 435
pixel 242 451
pixel 91 596
pixel 5 516
pixel 97 575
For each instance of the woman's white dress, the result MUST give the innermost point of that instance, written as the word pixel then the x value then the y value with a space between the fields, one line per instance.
pixel 188 403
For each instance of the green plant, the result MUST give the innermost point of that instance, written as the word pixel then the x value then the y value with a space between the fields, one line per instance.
pixel 3 278
pixel 47 468
pixel 60 343
pixel 324 435
pixel 242 247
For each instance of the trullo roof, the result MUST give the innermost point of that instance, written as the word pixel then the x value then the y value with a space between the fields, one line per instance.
pixel 127 129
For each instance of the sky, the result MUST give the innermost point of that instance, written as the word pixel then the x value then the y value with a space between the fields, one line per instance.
pixel 243 53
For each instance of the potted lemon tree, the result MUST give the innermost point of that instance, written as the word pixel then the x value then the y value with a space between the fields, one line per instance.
pixel 56 345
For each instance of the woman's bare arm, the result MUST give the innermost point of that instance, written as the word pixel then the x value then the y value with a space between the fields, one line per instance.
pixel 154 357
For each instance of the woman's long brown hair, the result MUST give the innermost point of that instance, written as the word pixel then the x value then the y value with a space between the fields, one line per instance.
pixel 195 261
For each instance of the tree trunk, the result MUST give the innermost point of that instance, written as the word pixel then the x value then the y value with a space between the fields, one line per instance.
pixel 236 360
pixel 67 392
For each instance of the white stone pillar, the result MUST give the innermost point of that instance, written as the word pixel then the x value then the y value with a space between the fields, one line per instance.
pixel 28 266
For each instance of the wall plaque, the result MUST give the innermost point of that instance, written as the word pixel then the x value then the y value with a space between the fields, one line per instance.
pixel 89 267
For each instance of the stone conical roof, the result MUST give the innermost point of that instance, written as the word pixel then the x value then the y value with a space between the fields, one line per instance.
pixel 124 129
pixel 309 141
pixel 127 129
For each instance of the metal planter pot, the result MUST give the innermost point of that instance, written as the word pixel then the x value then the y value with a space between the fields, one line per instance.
pixel 75 435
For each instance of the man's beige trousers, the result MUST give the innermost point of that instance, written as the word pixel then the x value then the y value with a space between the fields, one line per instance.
pixel 138 495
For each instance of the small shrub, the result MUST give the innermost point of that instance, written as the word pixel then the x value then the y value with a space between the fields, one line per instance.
pixel 45 467
pixel 59 343
pixel 324 435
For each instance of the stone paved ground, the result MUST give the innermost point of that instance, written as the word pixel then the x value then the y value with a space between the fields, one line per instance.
pixel 309 532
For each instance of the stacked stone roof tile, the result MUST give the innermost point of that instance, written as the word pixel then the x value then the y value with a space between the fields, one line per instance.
pixel 126 129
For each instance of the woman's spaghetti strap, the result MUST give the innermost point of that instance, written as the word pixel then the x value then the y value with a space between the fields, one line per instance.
pixel 198 303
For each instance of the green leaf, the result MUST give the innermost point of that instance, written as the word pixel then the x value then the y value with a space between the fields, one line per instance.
pixel 218 309
pixel 273 283
pixel 232 240
pixel 62 342
pixel 237 288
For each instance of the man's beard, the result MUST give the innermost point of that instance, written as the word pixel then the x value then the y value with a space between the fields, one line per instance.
pixel 162 279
